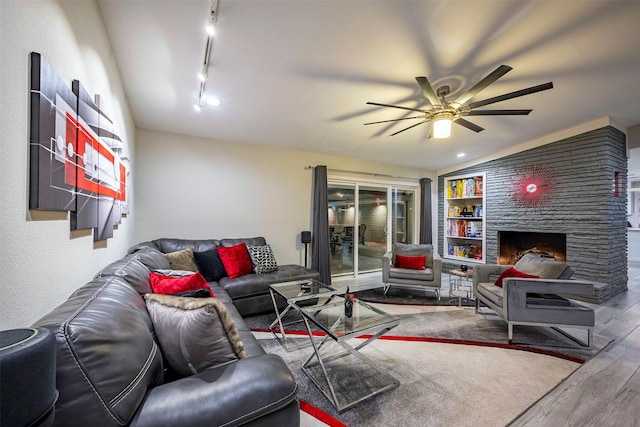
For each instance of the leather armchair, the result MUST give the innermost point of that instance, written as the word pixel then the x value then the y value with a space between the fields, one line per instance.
pixel 429 279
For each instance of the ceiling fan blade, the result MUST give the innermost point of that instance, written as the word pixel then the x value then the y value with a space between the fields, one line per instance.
pixel 511 95
pixel 428 91
pixel 495 75
pixel 395 120
pixel 412 126
pixel 396 106
pixel 498 113
pixel 467 124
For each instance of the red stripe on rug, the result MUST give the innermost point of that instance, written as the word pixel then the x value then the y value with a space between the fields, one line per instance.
pixel 481 344
pixel 448 341
pixel 320 415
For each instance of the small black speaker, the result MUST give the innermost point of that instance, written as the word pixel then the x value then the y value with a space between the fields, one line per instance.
pixel 305 237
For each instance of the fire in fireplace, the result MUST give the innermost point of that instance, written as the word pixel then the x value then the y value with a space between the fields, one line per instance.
pixel 513 245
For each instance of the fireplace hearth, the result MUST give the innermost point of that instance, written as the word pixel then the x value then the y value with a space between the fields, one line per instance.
pixel 513 245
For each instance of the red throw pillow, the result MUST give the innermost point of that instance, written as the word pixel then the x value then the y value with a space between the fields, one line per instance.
pixel 411 262
pixel 512 272
pixel 170 285
pixel 236 260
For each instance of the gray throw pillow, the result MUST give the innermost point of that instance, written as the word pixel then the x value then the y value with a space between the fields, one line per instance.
pixel 545 268
pixel 262 259
pixel 194 333
pixel 182 260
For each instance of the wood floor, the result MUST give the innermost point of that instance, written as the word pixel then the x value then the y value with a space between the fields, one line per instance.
pixel 605 391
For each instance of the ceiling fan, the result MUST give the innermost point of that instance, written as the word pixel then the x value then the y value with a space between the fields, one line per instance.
pixel 444 113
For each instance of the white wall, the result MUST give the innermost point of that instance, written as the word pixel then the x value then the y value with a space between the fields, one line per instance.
pixel 198 188
pixel 40 262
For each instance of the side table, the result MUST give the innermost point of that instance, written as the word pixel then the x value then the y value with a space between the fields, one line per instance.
pixel 464 288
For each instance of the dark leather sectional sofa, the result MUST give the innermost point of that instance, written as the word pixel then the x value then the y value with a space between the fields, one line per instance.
pixel 110 370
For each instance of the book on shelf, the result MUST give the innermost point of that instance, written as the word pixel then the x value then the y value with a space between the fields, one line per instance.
pixel 466 187
pixel 478 185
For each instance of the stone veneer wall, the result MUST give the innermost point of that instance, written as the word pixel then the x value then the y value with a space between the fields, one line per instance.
pixel 583 205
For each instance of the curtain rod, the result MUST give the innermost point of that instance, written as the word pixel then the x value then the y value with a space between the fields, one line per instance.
pixel 363 173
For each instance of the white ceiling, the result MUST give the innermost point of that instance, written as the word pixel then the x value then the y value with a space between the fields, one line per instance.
pixel 298 73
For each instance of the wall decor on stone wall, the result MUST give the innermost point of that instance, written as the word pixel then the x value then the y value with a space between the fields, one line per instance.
pixel 532 187
pixel 77 161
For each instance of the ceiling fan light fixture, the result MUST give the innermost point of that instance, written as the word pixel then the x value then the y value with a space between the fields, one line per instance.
pixel 442 124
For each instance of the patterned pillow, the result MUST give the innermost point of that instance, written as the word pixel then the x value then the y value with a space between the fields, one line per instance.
pixel 262 259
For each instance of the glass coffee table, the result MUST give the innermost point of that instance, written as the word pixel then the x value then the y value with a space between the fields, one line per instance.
pixel 299 293
pixel 296 292
pixel 349 377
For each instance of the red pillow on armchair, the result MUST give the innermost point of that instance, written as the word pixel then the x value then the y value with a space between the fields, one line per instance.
pixel 512 272
pixel 410 262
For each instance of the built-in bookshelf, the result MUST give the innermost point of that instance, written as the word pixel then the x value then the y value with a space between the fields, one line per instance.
pixel 464 213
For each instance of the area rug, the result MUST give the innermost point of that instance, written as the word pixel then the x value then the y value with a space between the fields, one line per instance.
pixel 413 297
pixel 438 383
pixel 443 356
pixel 452 324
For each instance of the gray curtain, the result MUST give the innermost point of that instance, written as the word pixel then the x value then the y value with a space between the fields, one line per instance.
pixel 320 226
pixel 426 235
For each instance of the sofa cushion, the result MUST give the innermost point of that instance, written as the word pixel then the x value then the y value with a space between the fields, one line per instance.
pixel 167 245
pixel 182 260
pixel 410 262
pixel 405 273
pixel 512 272
pixel 194 333
pixel 492 292
pixel 210 265
pixel 236 260
pixel 254 241
pixel 545 268
pixel 262 259
pixel 131 270
pixel 166 284
pixel 106 357
pixel 410 249
pixel 152 258
pixel 258 284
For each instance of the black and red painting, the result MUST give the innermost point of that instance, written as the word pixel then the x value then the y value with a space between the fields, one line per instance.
pixel 77 161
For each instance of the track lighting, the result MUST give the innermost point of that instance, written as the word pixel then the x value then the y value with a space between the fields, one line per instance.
pixel 204 73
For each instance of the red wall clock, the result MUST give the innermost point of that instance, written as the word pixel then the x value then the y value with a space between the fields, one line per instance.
pixel 532 187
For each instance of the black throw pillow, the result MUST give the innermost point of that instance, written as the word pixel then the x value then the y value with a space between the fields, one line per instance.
pixel 210 265
pixel 198 293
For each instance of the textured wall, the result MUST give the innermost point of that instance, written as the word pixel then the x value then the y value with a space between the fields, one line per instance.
pixel 582 205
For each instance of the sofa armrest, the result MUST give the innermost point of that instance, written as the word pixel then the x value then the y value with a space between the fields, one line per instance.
pixel 516 290
pixel 437 269
pixel 232 394
pixel 387 259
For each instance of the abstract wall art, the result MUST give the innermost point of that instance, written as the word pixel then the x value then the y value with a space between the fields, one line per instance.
pixel 77 161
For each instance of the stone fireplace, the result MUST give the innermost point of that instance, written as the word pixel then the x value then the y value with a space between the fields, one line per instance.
pixel 512 245
pixel 582 206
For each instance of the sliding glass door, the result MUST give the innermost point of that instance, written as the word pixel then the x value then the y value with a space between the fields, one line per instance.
pixel 360 220
pixel 342 210
pixel 372 227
